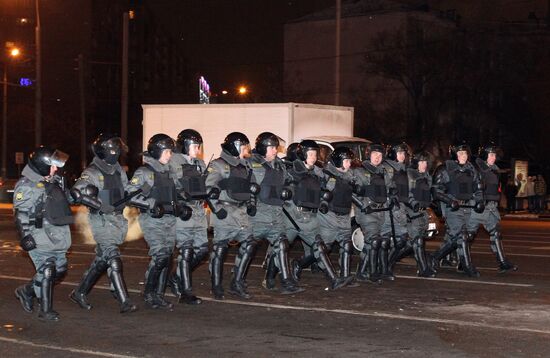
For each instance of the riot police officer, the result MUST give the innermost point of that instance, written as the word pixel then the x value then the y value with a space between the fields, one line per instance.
pixel 420 195
pixel 100 186
pixel 232 175
pixel 268 223
pixel 460 183
pixel 395 223
pixel 335 224
pixel 490 217
pixel 160 208
pixel 302 219
pixel 191 235
pixel 42 218
pixel 373 185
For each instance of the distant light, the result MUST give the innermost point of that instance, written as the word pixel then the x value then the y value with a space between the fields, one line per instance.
pixel 243 90
pixel 14 52
pixel 25 82
pixel 23 20
pixel 224 92
pixel 131 14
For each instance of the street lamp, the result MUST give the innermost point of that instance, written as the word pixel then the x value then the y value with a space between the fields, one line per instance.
pixel 243 90
pixel 13 52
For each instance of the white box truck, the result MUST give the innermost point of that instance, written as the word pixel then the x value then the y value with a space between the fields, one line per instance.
pixel 290 121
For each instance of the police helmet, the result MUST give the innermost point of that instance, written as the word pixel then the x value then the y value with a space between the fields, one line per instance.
pixel 291 152
pixel 305 146
pixel 264 140
pixel 108 147
pixel 375 147
pixel 158 143
pixel 186 138
pixel 421 157
pixel 42 158
pixel 461 146
pixel 339 154
pixel 233 142
pixel 394 149
pixel 484 151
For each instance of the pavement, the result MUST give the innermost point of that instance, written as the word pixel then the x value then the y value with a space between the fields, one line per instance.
pixel 496 315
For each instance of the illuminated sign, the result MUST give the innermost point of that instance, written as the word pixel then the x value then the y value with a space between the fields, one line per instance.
pixel 25 82
pixel 204 91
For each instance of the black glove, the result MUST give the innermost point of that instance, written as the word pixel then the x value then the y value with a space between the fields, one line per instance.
pixel 395 203
pixel 326 195
pixel 286 194
pixel 157 211
pixel 415 206
pixel 27 243
pixel 251 209
pixel 323 208
pixel 184 212
pixel 479 207
pixel 214 193
pixel 221 214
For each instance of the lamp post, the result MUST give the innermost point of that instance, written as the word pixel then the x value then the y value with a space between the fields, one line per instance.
pixel 38 82
pixel 13 52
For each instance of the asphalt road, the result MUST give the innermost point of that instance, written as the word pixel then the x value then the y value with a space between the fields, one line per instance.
pixel 451 315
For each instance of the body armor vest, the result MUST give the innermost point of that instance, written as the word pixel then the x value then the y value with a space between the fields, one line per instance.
pixel 377 190
pixel 490 179
pixel 193 181
pixel 163 190
pixel 341 201
pixel 237 185
pixel 401 181
pixel 272 186
pixel 421 192
pixel 461 184
pixel 56 206
pixel 113 189
pixel 308 192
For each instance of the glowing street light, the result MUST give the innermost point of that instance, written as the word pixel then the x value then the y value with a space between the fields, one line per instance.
pixel 14 52
pixel 224 92
pixel 243 90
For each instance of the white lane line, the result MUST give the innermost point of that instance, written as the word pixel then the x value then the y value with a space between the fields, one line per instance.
pixel 336 311
pixel 467 281
pixel 66 349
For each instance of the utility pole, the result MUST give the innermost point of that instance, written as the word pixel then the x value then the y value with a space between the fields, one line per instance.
pixel 82 111
pixel 38 82
pixel 337 53
pixel 124 82
pixel 5 122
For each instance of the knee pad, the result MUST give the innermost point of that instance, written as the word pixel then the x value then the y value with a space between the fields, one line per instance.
pixel 48 269
pixel 248 246
pixel 201 251
pixel 220 248
pixel 283 244
pixel 385 243
pixel 376 243
pixel 186 253
pixel 116 264
pixel 346 246
pixel 115 252
pixel 400 242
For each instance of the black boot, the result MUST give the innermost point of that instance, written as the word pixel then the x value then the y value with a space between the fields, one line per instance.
pixel 496 246
pixel 323 260
pixel 46 294
pixel 396 251
pixel 465 257
pixel 288 286
pixel 90 277
pixel 161 288
pixel 152 282
pixel 184 271
pixel 216 270
pixel 299 265
pixel 238 284
pixel 25 294
pixel 270 273
pixel 374 275
pixel 121 292
pixel 424 270
pixel 446 248
pixel 344 261
pixel 386 273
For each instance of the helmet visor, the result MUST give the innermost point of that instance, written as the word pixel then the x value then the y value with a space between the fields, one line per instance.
pixel 58 159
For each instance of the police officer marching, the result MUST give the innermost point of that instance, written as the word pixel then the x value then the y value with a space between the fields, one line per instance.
pixel 232 175
pixel 100 186
pixel 191 235
pixel 490 217
pixel 459 185
pixel 160 208
pixel 42 218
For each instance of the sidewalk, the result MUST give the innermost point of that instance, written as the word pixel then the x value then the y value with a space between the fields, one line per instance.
pixel 524 215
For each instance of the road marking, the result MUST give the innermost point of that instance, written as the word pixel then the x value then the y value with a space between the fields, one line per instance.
pixel 336 311
pixel 67 349
pixel 467 281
